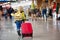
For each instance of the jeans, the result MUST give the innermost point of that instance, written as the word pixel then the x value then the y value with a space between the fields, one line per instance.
pixel 44 14
pixel 18 24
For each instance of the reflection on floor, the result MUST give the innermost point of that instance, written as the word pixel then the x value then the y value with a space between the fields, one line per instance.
pixel 42 30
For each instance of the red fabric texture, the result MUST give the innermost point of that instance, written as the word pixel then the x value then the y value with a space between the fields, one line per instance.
pixel 26 28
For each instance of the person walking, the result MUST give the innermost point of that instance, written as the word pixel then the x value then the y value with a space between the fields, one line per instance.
pixel 44 11
pixel 19 18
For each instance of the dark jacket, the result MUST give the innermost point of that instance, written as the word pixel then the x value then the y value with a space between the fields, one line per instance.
pixel 10 10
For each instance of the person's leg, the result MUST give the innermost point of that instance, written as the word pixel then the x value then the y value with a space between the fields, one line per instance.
pixel 0 16
pixel 46 16
pixel 18 27
pixel 43 15
pixel 51 15
pixel 32 16
pixel 18 32
pixel 18 23
pixel 10 16
pixel 5 16
pixel 35 17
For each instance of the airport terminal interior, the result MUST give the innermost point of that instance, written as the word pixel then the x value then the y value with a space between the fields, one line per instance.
pixel 43 15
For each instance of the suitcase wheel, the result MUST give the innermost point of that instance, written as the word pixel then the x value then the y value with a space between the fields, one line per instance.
pixel 27 35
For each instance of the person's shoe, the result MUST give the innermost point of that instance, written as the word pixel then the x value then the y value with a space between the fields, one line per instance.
pixel 19 33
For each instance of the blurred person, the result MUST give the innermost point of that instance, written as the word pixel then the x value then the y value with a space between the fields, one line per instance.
pixel 5 13
pixel 33 15
pixel 57 8
pixel 54 6
pixel 54 10
pixel 1 12
pixel 27 15
pixel 38 13
pixel 9 11
pixel 54 15
pixel 19 19
pixel 29 12
pixel 32 6
pixel 44 11
pixel 47 8
pixel 58 17
pixel 50 11
pixel 33 12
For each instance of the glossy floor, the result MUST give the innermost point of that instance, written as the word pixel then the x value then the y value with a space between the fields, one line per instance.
pixel 42 30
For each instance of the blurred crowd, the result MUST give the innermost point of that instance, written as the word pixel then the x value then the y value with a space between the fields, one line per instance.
pixel 45 11
pixel 6 12
pixel 34 12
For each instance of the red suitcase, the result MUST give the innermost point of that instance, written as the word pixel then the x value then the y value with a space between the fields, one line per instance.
pixel 27 30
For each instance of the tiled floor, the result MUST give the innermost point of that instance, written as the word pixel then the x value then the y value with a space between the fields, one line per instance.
pixel 42 30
